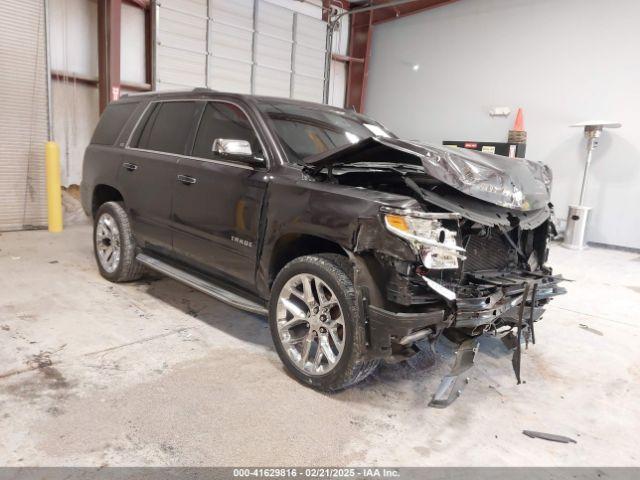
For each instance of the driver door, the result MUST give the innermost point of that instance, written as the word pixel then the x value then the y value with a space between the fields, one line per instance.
pixel 218 198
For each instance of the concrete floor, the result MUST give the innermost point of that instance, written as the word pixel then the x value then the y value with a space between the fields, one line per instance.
pixel 154 373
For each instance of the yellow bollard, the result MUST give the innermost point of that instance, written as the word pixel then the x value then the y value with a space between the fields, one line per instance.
pixel 54 192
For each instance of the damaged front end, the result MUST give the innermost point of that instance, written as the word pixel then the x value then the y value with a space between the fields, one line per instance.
pixel 477 235
pixel 476 274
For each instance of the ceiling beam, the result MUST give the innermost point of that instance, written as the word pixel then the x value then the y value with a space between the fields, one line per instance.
pixel 144 4
pixel 359 49
pixel 392 13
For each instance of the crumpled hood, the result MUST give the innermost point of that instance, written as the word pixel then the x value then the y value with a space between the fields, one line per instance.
pixel 514 183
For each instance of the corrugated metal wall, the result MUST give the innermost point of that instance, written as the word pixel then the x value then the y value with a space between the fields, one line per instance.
pixel 23 114
pixel 245 46
pixel 74 52
pixel 231 41
pixel 200 42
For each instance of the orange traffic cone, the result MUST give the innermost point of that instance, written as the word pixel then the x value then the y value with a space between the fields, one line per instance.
pixel 519 125
pixel 518 134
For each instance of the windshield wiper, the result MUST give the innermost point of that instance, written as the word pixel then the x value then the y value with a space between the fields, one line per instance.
pixel 381 166
pixel 394 167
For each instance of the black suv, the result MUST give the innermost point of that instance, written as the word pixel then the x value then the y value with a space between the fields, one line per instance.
pixel 358 246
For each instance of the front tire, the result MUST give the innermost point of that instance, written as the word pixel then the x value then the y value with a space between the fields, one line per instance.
pixel 113 244
pixel 315 323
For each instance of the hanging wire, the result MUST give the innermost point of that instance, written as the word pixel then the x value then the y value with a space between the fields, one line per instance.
pixel 338 31
pixel 333 84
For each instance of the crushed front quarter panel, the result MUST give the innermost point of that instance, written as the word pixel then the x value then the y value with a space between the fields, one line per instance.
pixel 347 216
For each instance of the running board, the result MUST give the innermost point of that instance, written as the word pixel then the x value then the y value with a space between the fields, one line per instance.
pixel 201 285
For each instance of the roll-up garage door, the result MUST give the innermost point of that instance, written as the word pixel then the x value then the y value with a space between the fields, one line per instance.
pixel 231 45
pixel 23 114
pixel 244 46
pixel 308 58
pixel 181 44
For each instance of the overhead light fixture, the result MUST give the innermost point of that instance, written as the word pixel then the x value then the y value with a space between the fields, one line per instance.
pixel 412 65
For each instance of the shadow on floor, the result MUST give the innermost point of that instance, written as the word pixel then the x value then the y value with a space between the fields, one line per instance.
pixel 424 370
pixel 242 325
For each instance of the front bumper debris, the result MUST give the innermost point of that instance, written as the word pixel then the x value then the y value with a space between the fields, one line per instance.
pixel 515 302
pixel 452 384
pixel 504 293
pixel 386 327
pixel 486 301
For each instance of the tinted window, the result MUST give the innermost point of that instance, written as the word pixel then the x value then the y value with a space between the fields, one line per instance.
pixel 137 134
pixel 305 130
pixel 112 122
pixel 223 120
pixel 167 127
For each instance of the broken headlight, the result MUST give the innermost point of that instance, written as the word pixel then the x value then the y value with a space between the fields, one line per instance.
pixel 430 240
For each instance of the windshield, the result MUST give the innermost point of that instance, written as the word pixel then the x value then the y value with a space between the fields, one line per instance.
pixel 307 130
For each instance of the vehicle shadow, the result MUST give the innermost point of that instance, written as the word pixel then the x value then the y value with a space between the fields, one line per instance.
pixel 413 382
pixel 419 376
pixel 242 325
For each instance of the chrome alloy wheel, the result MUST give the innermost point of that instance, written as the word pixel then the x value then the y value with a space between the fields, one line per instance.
pixel 310 323
pixel 108 242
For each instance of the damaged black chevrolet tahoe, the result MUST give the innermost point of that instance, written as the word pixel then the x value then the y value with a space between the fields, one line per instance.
pixel 357 245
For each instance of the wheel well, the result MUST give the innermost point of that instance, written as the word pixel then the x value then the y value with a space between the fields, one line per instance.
pixel 102 194
pixel 293 246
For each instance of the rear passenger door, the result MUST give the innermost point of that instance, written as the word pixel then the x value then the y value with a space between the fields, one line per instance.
pixel 148 171
pixel 218 200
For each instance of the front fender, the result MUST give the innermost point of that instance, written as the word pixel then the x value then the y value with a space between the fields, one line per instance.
pixel 346 216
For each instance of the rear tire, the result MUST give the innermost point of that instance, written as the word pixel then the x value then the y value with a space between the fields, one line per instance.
pixel 339 336
pixel 113 244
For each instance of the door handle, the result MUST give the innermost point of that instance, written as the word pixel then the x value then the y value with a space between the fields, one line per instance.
pixel 186 179
pixel 130 166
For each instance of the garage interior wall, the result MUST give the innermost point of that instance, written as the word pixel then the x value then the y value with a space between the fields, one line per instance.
pixel 23 114
pixel 74 61
pixel 74 58
pixel 561 61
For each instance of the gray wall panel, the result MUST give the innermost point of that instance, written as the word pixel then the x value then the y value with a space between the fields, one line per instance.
pixel 563 62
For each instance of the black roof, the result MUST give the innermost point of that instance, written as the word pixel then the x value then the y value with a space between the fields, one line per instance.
pixel 207 92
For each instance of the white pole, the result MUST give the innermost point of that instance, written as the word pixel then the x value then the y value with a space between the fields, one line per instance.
pixel 591 144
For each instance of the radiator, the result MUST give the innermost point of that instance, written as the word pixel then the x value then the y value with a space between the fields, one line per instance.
pixel 486 253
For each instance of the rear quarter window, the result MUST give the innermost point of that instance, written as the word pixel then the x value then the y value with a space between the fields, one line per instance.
pixel 112 122
pixel 166 126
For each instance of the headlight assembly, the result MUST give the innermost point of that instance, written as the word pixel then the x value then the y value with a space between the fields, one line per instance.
pixel 430 240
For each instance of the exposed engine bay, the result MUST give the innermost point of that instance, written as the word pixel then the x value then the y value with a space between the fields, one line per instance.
pixel 479 233
pixel 480 267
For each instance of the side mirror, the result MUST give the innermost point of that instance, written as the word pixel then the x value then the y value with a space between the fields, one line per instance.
pixel 240 149
pixel 226 146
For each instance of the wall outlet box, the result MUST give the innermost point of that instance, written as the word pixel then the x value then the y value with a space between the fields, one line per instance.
pixel 500 111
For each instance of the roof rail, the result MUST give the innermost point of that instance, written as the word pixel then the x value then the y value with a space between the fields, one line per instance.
pixel 203 89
